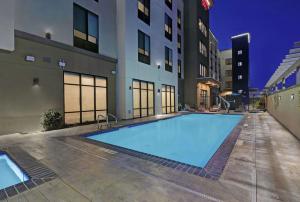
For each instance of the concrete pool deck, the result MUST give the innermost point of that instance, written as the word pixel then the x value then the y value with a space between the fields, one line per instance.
pixel 263 166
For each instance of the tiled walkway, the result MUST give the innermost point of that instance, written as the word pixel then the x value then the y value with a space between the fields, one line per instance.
pixel 264 166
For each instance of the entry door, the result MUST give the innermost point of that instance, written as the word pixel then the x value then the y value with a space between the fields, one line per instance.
pixel 203 99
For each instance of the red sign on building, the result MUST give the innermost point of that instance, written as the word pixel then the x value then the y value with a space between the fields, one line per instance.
pixel 207 4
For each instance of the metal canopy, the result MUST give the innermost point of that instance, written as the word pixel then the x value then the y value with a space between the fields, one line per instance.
pixel 288 66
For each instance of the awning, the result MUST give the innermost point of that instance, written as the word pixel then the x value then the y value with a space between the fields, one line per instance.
pixel 209 81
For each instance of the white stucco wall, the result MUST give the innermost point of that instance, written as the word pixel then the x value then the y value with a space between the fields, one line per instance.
pixel 7 19
pixel 128 66
pixel 56 16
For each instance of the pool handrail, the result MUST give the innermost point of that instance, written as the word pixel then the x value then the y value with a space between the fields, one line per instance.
pixel 226 103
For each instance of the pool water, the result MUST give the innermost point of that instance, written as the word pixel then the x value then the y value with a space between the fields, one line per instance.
pixel 10 173
pixel 192 139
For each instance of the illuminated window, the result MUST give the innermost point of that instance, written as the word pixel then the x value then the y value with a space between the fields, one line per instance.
pixel 240 52
pixel 168 27
pixel 85 97
pixel 144 10
pixel 202 49
pixel 169 3
pixel 143 47
pixel 143 99
pixel 168 99
pixel 85 29
pixel 240 77
pixel 240 64
pixel 168 59
pixel 202 70
pixel 202 27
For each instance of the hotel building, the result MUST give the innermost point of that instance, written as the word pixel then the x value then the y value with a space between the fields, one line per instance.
pixel 197 81
pixel 85 58
pixel 150 49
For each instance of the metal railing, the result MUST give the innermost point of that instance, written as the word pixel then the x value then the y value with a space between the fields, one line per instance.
pixel 106 118
pixel 226 103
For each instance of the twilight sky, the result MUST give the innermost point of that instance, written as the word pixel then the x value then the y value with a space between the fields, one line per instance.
pixel 274 26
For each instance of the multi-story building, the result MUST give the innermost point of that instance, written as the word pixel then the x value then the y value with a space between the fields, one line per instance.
pixel 240 66
pixel 89 58
pixel 150 56
pixel 226 71
pixel 59 55
pixel 197 82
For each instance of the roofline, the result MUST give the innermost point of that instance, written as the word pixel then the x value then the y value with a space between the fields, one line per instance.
pixel 242 35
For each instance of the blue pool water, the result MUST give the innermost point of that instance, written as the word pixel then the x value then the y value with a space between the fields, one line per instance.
pixel 192 139
pixel 10 173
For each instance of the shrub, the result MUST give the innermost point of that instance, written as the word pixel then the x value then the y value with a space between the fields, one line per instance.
pixel 51 120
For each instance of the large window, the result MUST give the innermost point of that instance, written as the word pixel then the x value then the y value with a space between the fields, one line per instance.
pixel 202 70
pixel 144 47
pixel 143 99
pixel 85 97
pixel 202 49
pixel 179 44
pixel 168 59
pixel 168 99
pixel 179 19
pixel 228 73
pixel 85 29
pixel 179 69
pixel 144 10
pixel 168 27
pixel 169 3
pixel 228 61
pixel 202 27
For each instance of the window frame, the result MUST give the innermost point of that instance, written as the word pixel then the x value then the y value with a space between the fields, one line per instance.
pixel 168 27
pixel 142 14
pixel 80 85
pixel 80 42
pixel 140 98
pixel 168 59
pixel 142 57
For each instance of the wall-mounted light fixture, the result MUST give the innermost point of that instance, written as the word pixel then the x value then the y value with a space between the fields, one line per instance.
pixel 61 63
pixel 36 81
pixel 48 35
pixel 292 96
pixel 113 72
pixel 130 87
pixel 29 58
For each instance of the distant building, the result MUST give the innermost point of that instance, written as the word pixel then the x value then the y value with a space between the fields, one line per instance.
pixel 197 82
pixel 226 71
pixel 240 65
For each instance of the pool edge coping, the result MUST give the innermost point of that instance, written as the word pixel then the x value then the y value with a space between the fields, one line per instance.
pixel 210 171
pixel 32 182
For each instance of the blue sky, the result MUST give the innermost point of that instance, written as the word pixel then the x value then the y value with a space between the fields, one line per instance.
pixel 274 26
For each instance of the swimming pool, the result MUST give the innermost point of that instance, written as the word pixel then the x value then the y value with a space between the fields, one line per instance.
pixel 191 139
pixel 11 174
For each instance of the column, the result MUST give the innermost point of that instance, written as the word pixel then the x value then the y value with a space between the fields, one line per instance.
pixel 283 83
pixel 298 76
